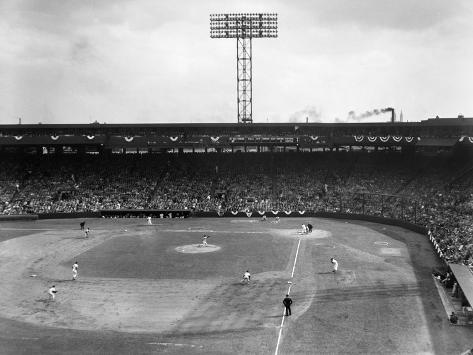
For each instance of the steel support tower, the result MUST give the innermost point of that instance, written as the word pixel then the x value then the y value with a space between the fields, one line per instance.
pixel 244 27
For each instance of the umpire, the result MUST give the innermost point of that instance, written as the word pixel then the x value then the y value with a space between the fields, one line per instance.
pixel 287 303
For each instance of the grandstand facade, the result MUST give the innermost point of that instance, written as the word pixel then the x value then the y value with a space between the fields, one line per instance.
pixel 443 133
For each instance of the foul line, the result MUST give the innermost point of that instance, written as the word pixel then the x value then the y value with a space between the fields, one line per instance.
pixel 288 292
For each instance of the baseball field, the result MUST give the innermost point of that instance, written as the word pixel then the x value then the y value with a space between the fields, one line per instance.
pixel 152 289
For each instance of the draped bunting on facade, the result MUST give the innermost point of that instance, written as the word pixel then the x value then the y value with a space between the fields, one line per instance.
pixel 358 138
pixel 129 139
pixel 288 212
pixel 234 213
pixel 174 138
pixel 18 137
pixel 275 212
pixel 54 138
pixel 314 138
pixel 385 139
pixel 462 138
pixel 90 137
pixel 301 212
pixel 215 139
pixel 261 212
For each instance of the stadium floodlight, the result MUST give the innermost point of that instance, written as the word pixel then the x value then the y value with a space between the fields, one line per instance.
pixel 244 27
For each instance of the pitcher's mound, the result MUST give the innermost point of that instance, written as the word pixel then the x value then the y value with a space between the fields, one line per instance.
pixel 197 248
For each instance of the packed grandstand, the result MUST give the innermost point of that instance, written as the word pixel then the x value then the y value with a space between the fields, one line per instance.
pixel 431 187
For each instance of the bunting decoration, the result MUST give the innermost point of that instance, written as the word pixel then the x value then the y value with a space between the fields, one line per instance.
pixel 90 137
pixel 129 139
pixel 314 138
pixel 18 137
pixel 215 139
pixel 372 139
pixel 384 139
pixel 275 212
pixel 288 212
pixel 462 138
pixel 234 213
pixel 397 139
pixel 301 212
pixel 54 138
pixel 408 139
pixel 261 213
pixel 174 138
pixel 358 138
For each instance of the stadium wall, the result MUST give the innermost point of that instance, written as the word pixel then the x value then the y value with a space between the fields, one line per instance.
pixel 20 217
pixel 69 215
pixel 186 213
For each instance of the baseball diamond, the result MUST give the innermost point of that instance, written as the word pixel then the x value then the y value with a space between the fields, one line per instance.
pixel 137 284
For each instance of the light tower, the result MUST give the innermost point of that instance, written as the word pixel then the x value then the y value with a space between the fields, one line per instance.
pixel 244 27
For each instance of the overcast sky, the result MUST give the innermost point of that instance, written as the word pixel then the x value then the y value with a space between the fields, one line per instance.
pixel 154 61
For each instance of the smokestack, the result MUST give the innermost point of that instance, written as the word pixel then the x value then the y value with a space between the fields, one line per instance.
pixel 393 114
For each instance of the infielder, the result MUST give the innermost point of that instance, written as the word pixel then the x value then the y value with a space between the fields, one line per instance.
pixel 52 293
pixel 246 277
pixel 304 229
pixel 87 231
pixel 75 270
pixel 335 265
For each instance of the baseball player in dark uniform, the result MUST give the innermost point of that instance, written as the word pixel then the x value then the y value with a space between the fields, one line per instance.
pixel 309 228
pixel 287 303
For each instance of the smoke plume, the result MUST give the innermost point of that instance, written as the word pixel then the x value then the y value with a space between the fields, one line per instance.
pixel 353 116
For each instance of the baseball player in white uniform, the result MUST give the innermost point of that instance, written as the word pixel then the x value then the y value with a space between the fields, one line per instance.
pixel 75 270
pixel 335 265
pixel 149 220
pixel 204 241
pixel 246 277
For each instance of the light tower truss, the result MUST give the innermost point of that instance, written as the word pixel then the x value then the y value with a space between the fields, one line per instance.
pixel 244 27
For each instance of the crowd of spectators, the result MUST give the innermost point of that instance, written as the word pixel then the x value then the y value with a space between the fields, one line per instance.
pixel 429 191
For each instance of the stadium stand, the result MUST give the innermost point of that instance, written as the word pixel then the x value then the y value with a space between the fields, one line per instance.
pixel 384 184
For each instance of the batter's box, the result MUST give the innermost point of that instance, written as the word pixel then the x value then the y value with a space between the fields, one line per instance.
pixel 391 251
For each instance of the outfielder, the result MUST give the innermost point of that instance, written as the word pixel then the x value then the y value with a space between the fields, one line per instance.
pixel 149 220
